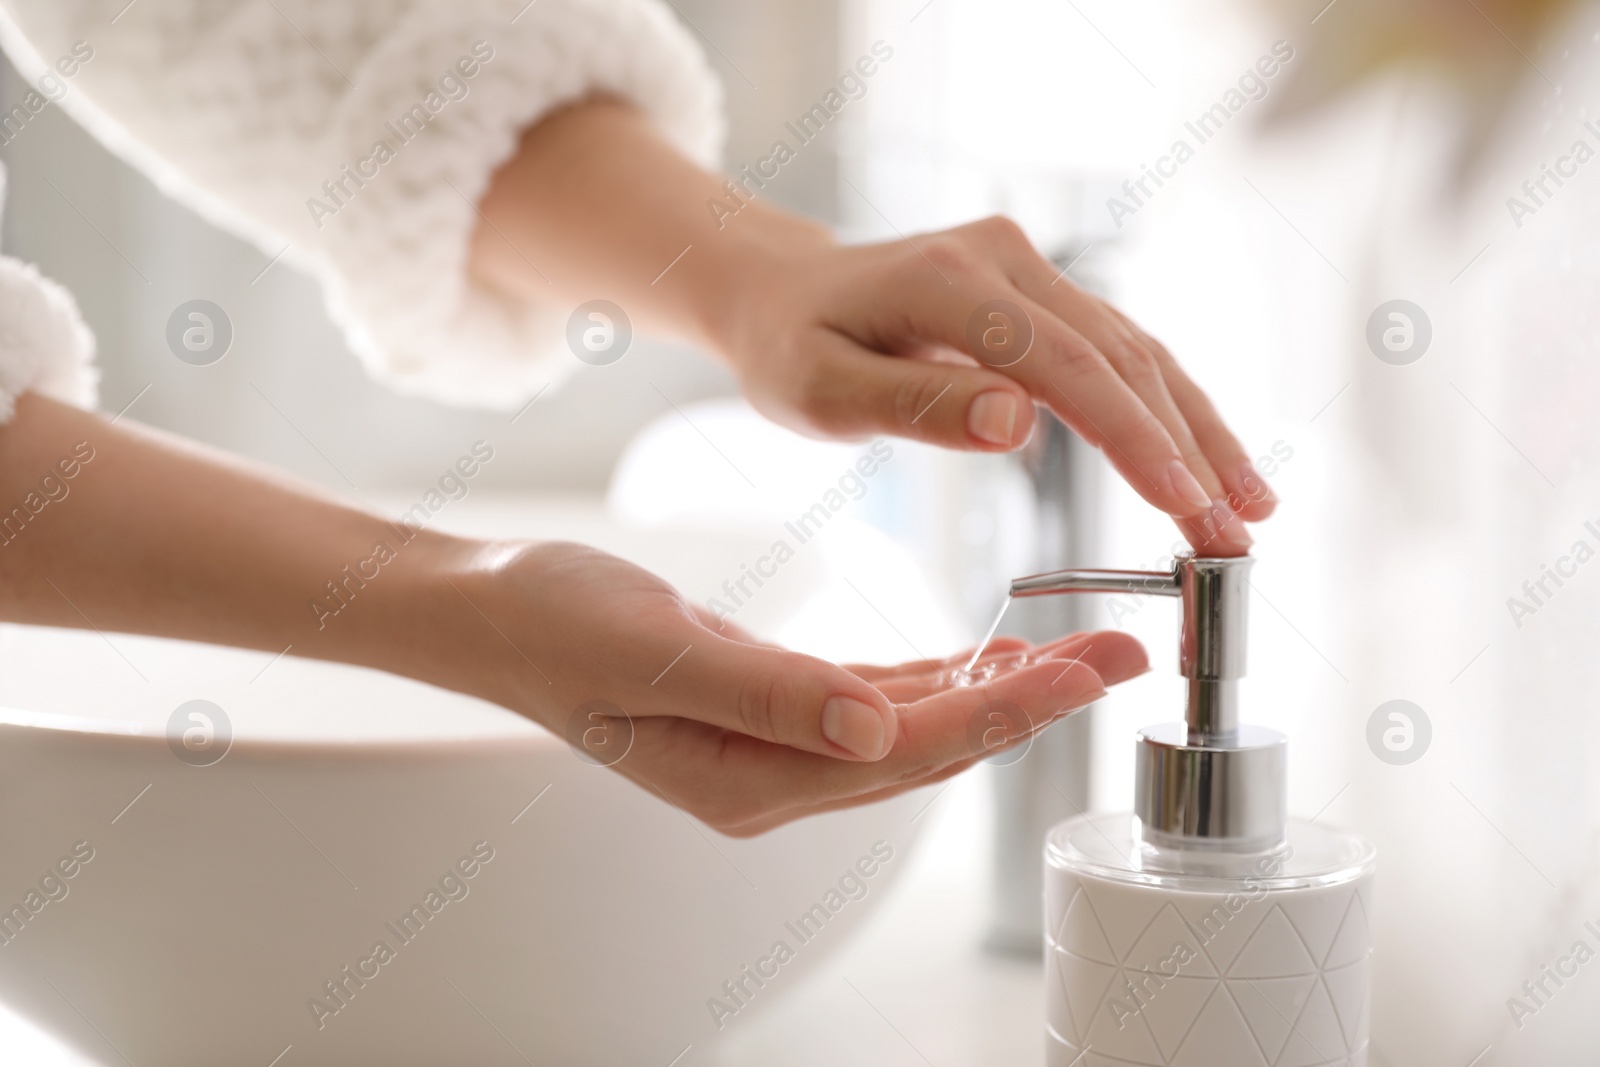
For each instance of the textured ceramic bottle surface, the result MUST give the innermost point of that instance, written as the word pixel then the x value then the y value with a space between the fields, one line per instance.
pixel 1236 961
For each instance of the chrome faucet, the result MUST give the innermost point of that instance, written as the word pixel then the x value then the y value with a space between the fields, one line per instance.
pixel 1052 781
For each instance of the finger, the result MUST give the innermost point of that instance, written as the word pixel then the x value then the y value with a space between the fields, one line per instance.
pixel 780 697
pixel 772 820
pixel 936 732
pixel 950 292
pixel 1066 372
pixel 938 739
pixel 725 627
pixel 925 666
pixel 1114 655
pixel 935 676
pixel 1220 529
pixel 1107 641
pixel 910 687
pixel 730 780
pixel 1120 657
pixel 1248 492
pixel 1137 364
pixel 860 392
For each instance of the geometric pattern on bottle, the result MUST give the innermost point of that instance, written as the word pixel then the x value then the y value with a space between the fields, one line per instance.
pixel 1139 976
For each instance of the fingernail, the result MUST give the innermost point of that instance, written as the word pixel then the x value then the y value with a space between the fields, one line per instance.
pixel 992 417
pixel 1186 486
pixel 853 726
pixel 1230 527
pixel 1081 702
pixel 1255 487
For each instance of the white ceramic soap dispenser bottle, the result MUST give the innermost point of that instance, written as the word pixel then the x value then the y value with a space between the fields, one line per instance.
pixel 1205 928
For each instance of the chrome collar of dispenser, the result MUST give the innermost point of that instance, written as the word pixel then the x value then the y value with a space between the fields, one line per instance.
pixel 1208 781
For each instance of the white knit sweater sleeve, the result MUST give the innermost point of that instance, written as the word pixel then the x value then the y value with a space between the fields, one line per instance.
pixel 361 136
pixel 44 346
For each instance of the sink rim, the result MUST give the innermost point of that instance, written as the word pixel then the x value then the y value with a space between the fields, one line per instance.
pixel 537 740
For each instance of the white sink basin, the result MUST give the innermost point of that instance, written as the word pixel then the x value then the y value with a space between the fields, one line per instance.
pixel 220 900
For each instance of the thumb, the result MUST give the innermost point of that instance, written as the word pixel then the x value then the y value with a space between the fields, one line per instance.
pixel 860 392
pixel 784 697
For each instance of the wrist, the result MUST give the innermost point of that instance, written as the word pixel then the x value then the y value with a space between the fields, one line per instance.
pixel 418 624
pixel 470 614
pixel 748 259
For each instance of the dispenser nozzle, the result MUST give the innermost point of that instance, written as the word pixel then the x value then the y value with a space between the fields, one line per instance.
pixel 1154 583
pixel 1207 778
pixel 1211 647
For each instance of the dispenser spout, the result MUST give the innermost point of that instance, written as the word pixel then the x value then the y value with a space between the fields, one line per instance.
pixel 1154 583
pixel 1211 648
pixel 1207 779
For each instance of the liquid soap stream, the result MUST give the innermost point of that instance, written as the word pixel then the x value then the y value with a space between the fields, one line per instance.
pixel 993 626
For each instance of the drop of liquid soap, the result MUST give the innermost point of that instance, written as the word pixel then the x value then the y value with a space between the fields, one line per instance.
pixel 972 674
pixel 962 679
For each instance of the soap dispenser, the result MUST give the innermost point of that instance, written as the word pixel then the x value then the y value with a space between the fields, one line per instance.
pixel 1204 928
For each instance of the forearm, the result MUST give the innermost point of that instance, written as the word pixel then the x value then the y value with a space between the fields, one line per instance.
pixel 596 204
pixel 120 528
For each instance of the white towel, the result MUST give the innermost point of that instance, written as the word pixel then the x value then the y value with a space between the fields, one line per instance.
pixel 245 108
pixel 44 345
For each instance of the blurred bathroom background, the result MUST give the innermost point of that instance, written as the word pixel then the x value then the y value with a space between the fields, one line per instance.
pixel 1417 497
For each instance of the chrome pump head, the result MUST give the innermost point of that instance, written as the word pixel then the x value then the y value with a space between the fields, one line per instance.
pixel 1209 781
